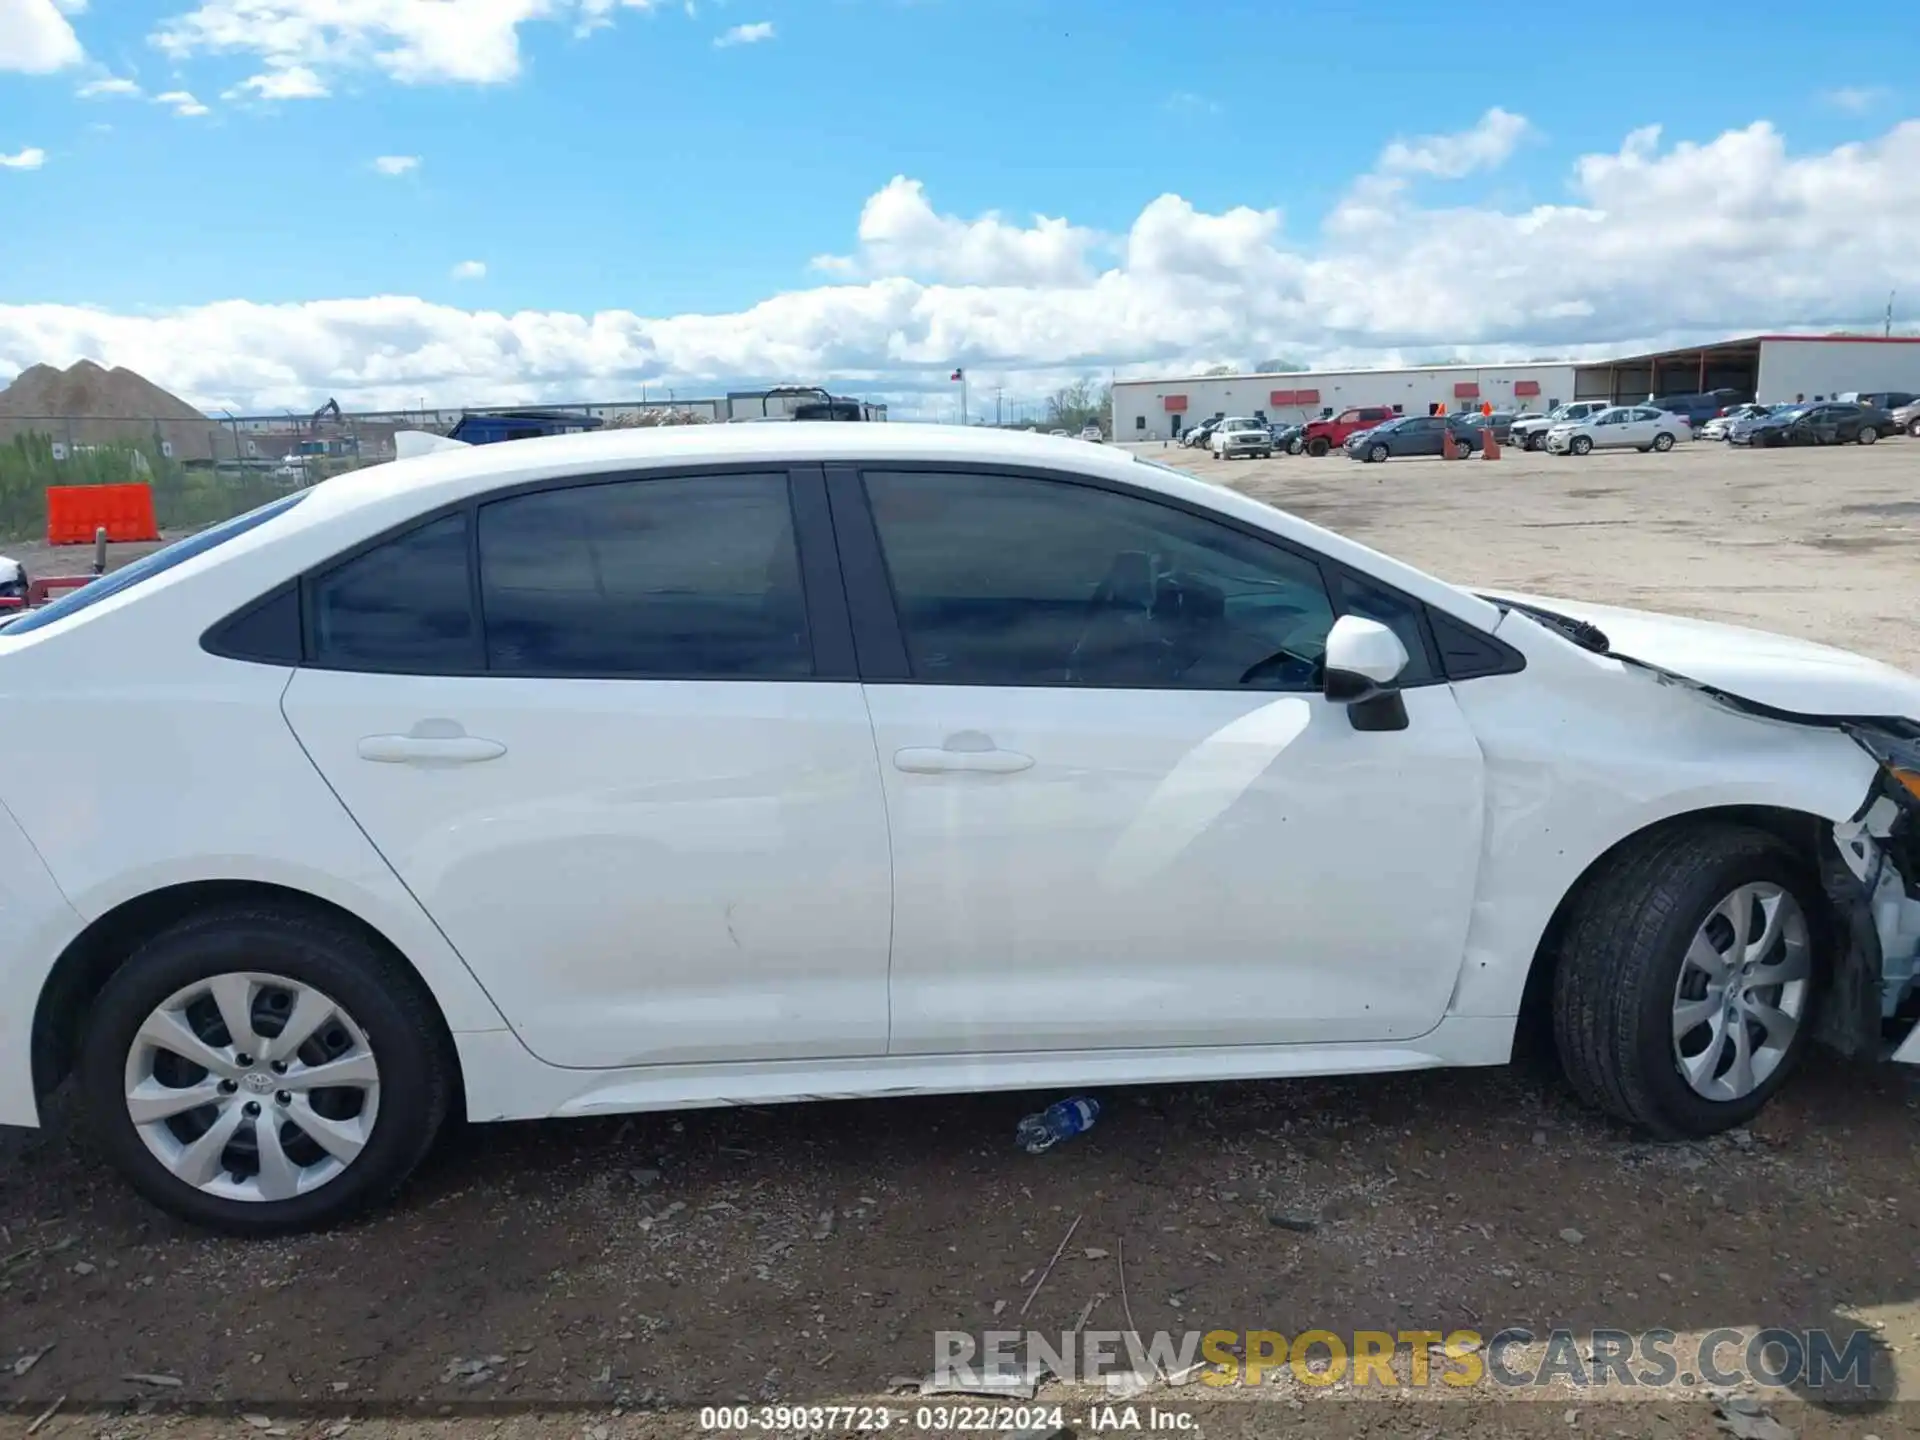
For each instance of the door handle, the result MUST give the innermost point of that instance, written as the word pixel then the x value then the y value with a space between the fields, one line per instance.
pixel 927 760
pixel 429 750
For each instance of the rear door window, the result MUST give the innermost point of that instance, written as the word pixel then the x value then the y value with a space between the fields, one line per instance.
pixel 404 605
pixel 690 577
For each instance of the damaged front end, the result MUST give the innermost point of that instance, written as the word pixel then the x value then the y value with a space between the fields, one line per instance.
pixel 1871 874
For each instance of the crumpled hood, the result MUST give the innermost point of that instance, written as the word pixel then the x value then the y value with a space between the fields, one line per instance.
pixel 1777 671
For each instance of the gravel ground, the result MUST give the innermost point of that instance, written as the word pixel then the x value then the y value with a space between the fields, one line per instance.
pixel 606 1278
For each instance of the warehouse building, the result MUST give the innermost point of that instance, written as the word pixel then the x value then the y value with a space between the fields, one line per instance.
pixel 1778 369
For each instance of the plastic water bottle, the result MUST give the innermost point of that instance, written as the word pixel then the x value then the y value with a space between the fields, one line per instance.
pixel 1061 1120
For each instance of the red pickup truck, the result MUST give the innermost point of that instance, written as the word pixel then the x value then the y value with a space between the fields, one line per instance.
pixel 1320 436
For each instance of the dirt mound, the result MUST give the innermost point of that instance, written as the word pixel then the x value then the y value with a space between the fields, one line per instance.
pixel 87 404
pixel 88 391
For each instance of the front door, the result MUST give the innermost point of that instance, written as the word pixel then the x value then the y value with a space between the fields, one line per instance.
pixel 1122 813
pixel 640 795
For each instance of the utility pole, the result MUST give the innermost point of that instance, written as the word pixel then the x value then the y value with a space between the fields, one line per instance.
pixel 996 406
pixel 1888 331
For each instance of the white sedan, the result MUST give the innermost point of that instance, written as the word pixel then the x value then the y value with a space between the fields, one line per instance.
pixel 1637 427
pixel 735 764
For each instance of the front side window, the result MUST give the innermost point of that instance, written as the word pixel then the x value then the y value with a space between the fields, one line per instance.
pixel 1010 581
pixel 680 577
pixel 404 605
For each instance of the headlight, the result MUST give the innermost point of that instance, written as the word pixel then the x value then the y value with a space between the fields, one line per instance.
pixel 1899 756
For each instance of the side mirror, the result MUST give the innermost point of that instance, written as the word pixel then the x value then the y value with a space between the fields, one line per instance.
pixel 1364 659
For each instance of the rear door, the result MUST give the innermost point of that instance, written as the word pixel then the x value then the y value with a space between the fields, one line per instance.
pixel 609 734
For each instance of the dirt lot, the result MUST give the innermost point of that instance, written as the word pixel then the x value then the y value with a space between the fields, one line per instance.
pixel 609 1278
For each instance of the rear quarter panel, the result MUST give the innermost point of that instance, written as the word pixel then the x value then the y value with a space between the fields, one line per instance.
pixel 143 762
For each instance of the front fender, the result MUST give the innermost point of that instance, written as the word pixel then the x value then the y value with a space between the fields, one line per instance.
pixel 1583 753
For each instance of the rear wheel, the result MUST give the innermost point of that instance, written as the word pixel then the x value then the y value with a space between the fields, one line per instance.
pixel 1868 434
pixel 1663 442
pixel 1684 986
pixel 1294 446
pixel 259 1070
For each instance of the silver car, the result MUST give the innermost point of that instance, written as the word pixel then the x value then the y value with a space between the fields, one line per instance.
pixel 1638 427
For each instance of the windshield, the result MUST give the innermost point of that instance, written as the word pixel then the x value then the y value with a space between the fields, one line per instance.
pixel 147 566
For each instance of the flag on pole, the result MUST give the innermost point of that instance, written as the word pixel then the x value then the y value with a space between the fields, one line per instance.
pixel 958 375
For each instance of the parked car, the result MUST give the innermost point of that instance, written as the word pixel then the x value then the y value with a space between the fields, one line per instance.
pixel 1699 406
pixel 1721 426
pixel 1199 435
pixel 1531 433
pixel 1500 422
pixel 1321 436
pixel 1840 422
pixel 1907 418
pixel 1416 435
pixel 548 779
pixel 1092 432
pixel 14 585
pixel 1638 427
pixel 1241 439
pixel 1888 400
pixel 1290 438
pixel 1063 434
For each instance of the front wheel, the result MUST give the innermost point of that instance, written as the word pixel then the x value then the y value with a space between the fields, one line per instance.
pixel 1663 442
pixel 1377 454
pixel 1318 447
pixel 259 1070
pixel 1581 445
pixel 1684 982
pixel 1868 434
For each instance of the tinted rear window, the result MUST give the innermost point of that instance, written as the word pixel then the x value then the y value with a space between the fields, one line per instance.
pixel 406 605
pixel 147 566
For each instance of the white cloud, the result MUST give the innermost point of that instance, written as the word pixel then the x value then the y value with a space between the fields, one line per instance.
pixel 745 34
pixel 1486 146
pixel 182 101
pixel 415 42
pixel 35 37
pixel 901 234
pixel 290 82
pixel 1654 242
pixel 31 158
pixel 1857 99
pixel 111 85
pixel 469 270
pixel 396 164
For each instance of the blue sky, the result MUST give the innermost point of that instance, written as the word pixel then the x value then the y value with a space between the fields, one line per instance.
pixel 606 158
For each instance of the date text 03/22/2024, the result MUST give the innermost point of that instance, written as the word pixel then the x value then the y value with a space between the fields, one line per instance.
pixel 1024 1420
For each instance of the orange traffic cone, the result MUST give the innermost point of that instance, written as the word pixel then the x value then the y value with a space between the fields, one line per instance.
pixel 1449 447
pixel 1491 449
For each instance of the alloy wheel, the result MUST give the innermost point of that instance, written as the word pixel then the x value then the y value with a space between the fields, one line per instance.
pixel 1742 992
pixel 252 1087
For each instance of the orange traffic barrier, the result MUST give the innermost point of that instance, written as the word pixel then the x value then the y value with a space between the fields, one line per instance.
pixel 1449 447
pixel 75 512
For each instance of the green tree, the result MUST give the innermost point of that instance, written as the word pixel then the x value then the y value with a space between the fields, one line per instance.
pixel 1084 402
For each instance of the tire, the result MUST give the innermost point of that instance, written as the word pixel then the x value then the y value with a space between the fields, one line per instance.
pixel 380 1008
pixel 1913 429
pixel 1294 447
pixel 1663 442
pixel 1580 445
pixel 1623 956
pixel 1868 434
pixel 1318 447
pixel 1377 454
